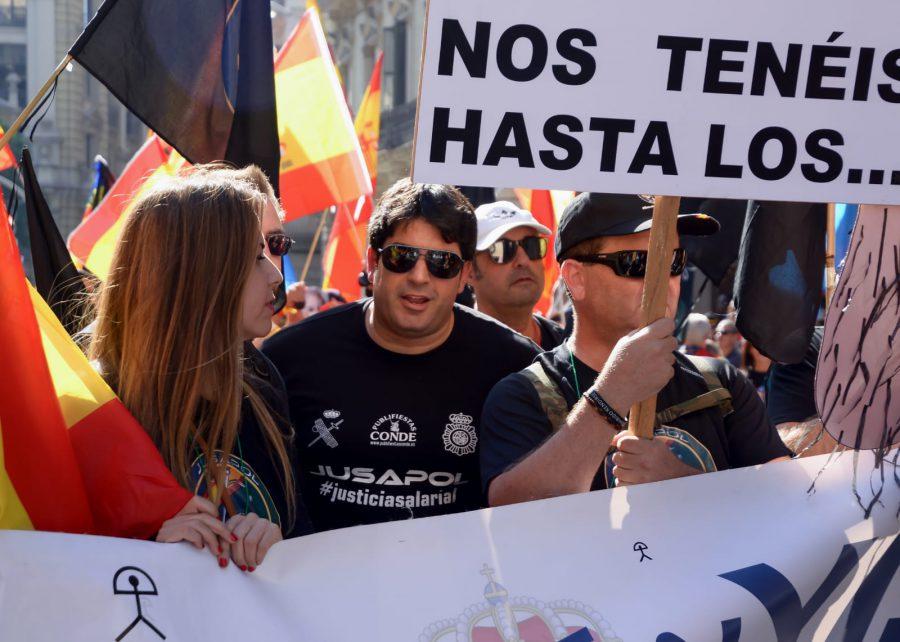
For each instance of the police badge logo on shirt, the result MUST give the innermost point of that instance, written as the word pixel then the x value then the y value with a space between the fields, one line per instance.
pixel 459 435
pixel 325 432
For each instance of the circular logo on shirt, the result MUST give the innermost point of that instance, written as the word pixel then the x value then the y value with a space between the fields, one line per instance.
pixel 244 490
pixel 459 435
pixel 683 445
pixel 393 430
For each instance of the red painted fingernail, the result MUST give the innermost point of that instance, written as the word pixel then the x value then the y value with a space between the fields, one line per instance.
pixel 223 562
pixel 220 550
pixel 234 537
pixel 243 568
pixel 252 568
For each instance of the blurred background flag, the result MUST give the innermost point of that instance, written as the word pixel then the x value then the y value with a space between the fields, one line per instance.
pixel 346 246
pixel 321 160
pixel 100 185
pixel 94 240
pixel 546 206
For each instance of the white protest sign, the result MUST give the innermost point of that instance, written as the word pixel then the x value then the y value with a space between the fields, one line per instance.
pixel 744 554
pixel 767 99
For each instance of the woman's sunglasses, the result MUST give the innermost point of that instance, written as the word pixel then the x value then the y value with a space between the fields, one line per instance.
pixel 504 250
pixel 402 258
pixel 279 244
pixel 631 263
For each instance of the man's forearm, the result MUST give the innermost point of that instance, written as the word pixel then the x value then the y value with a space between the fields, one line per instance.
pixel 563 465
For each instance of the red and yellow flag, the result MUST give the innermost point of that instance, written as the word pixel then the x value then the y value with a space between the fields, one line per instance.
pixel 94 240
pixel 130 490
pixel 7 158
pixel 72 458
pixel 346 245
pixel 40 484
pixel 546 205
pixel 321 161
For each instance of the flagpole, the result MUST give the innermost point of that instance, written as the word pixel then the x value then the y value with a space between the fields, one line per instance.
pixel 315 242
pixel 31 106
pixel 663 240
pixel 830 275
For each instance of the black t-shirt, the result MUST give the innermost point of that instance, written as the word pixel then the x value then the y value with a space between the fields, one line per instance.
pixel 253 476
pixel 790 389
pixel 551 333
pixel 382 435
pixel 514 424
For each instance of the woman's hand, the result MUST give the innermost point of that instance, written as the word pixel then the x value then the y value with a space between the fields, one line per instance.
pixel 198 523
pixel 254 537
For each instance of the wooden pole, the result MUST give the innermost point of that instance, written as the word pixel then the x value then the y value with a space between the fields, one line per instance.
pixel 663 241
pixel 312 247
pixel 830 275
pixel 32 105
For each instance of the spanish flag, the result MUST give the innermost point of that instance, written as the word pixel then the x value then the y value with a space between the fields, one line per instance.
pixel 72 459
pixel 130 490
pixel 346 245
pixel 7 158
pixel 321 161
pixel 546 206
pixel 94 240
pixel 40 484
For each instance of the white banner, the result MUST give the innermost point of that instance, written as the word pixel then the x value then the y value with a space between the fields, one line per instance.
pixel 767 99
pixel 736 555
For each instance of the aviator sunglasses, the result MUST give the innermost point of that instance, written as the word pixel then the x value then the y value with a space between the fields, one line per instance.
pixel 279 244
pixel 504 250
pixel 402 258
pixel 632 263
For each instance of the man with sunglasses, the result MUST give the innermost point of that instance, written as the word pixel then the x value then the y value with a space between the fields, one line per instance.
pixel 558 427
pixel 508 271
pixel 386 394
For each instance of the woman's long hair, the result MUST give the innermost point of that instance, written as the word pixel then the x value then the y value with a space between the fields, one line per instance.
pixel 168 331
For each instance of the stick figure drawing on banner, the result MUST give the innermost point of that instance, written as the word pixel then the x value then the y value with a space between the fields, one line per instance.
pixel 137 589
pixel 640 547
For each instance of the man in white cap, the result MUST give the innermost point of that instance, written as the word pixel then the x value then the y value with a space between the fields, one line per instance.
pixel 508 271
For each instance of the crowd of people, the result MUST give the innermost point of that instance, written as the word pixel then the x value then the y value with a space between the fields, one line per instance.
pixel 406 403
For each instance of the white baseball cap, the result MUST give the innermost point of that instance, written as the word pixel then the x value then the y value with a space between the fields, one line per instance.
pixel 496 219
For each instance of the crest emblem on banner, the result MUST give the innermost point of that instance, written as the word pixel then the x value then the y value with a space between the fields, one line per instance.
pixel 459 435
pixel 501 618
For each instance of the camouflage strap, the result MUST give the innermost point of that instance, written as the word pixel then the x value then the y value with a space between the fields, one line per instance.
pixel 717 394
pixel 552 402
pixel 556 409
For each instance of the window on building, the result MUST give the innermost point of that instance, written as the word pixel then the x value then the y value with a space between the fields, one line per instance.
pixel 13 79
pixel 12 13
pixel 394 85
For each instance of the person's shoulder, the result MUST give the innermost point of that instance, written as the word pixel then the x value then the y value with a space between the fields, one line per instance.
pixel 483 328
pixel 515 387
pixel 691 365
pixel 320 324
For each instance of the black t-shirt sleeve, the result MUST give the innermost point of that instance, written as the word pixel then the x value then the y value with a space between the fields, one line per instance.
pixel 513 424
pixel 790 389
pixel 752 439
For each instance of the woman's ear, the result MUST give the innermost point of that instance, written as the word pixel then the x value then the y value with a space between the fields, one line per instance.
pixel 573 275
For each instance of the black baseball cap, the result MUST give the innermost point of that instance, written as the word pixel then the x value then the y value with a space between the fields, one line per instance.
pixel 590 215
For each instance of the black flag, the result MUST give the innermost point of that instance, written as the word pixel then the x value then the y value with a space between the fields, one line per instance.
pixel 55 277
pixel 778 285
pixel 716 255
pixel 199 73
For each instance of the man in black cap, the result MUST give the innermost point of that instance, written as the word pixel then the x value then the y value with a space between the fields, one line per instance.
pixel 558 427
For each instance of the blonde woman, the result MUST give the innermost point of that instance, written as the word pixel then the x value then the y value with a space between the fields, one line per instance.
pixel 190 285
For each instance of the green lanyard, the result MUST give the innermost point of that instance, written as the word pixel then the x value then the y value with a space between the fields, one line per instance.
pixel 574 371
